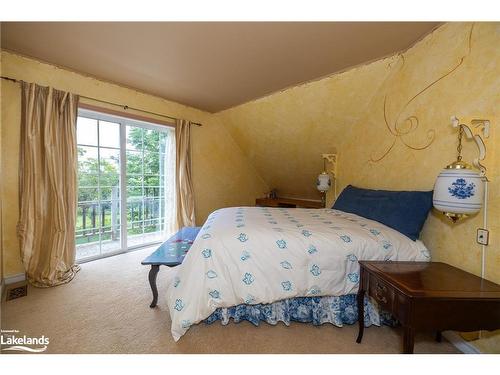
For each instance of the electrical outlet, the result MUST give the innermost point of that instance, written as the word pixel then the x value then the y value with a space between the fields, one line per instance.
pixel 482 237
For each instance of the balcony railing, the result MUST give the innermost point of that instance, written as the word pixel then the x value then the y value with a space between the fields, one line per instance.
pixel 99 221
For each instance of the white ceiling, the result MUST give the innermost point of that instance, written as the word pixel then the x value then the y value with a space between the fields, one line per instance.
pixel 210 65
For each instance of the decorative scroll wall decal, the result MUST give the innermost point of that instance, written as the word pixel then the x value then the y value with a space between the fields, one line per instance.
pixel 401 128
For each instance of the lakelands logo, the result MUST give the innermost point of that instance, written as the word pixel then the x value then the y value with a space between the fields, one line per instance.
pixel 11 340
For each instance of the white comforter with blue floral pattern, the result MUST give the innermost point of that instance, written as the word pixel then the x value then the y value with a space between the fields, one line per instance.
pixel 261 255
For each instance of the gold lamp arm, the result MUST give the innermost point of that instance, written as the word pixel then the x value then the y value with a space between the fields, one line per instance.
pixel 485 129
pixel 332 159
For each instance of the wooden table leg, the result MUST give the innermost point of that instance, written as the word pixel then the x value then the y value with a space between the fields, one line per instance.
pixel 408 340
pixel 361 309
pixel 153 272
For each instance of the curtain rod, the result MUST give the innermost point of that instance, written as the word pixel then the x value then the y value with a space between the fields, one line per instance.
pixel 125 107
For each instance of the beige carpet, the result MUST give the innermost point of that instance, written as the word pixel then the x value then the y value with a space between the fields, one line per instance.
pixel 105 309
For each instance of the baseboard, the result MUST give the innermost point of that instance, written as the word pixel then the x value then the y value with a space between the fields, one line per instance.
pixel 458 342
pixel 14 279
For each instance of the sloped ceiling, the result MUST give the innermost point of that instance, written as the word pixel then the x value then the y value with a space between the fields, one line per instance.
pixel 209 65
pixel 284 134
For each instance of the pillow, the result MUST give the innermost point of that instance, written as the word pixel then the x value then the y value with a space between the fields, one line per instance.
pixel 404 211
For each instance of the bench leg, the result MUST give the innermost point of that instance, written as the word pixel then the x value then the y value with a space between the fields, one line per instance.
pixel 153 272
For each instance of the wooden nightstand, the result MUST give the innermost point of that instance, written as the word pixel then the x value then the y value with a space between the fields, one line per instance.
pixel 427 296
pixel 287 202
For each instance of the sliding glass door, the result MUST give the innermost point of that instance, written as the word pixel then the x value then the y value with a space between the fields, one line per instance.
pixel 126 182
pixel 150 182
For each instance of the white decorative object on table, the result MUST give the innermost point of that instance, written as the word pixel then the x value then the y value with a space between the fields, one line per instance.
pixel 323 183
pixel 324 180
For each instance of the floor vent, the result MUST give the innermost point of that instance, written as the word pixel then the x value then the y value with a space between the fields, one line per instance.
pixel 17 292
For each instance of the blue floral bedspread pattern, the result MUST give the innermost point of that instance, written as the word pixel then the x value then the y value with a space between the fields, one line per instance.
pixel 316 310
pixel 260 256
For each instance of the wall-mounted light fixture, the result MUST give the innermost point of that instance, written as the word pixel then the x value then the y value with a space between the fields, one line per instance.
pixel 459 188
pixel 324 180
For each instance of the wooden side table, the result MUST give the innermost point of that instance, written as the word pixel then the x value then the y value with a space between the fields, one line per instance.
pixel 429 296
pixel 288 202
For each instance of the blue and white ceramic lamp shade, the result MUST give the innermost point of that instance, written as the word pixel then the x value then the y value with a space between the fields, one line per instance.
pixel 458 192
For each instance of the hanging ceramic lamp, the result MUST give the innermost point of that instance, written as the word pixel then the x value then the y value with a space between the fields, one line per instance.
pixel 459 189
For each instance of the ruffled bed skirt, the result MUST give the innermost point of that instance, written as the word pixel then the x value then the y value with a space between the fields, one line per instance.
pixel 316 310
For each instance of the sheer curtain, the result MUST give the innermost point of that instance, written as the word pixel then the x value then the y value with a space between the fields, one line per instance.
pixel 47 185
pixel 184 183
pixel 168 185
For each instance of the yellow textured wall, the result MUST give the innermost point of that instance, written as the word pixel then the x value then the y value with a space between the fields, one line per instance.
pixel 470 91
pixel 221 173
pixel 284 134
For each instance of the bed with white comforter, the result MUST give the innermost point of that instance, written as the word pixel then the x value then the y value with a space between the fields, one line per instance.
pixel 259 255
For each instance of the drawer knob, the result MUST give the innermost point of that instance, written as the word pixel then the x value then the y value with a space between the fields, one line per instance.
pixel 379 290
pixel 380 298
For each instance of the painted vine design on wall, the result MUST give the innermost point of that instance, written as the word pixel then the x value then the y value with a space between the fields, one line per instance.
pixel 409 125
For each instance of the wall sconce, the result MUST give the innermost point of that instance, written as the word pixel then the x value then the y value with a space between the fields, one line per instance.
pixel 459 189
pixel 324 180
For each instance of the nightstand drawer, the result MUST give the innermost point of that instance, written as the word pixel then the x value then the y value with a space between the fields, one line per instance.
pixel 382 293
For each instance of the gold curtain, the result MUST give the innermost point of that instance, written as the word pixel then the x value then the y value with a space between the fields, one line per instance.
pixel 48 185
pixel 183 181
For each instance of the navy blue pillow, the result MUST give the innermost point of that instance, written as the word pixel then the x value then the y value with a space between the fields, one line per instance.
pixel 404 211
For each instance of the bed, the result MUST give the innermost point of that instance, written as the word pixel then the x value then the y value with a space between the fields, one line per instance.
pixel 281 264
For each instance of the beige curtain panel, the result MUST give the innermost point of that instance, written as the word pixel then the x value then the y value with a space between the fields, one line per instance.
pixel 183 181
pixel 48 185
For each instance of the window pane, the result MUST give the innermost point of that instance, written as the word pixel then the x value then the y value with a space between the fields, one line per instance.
pixel 88 180
pixel 151 226
pixel 148 208
pixel 151 162
pixel 151 140
pixel 134 181
pixel 87 160
pixel 109 134
pixel 86 131
pixel 151 180
pixel 110 161
pixel 110 192
pixel 134 212
pixel 88 218
pixel 134 138
pixel 88 194
pixel 105 213
pixel 151 192
pixel 110 233
pixel 134 192
pixel 134 162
